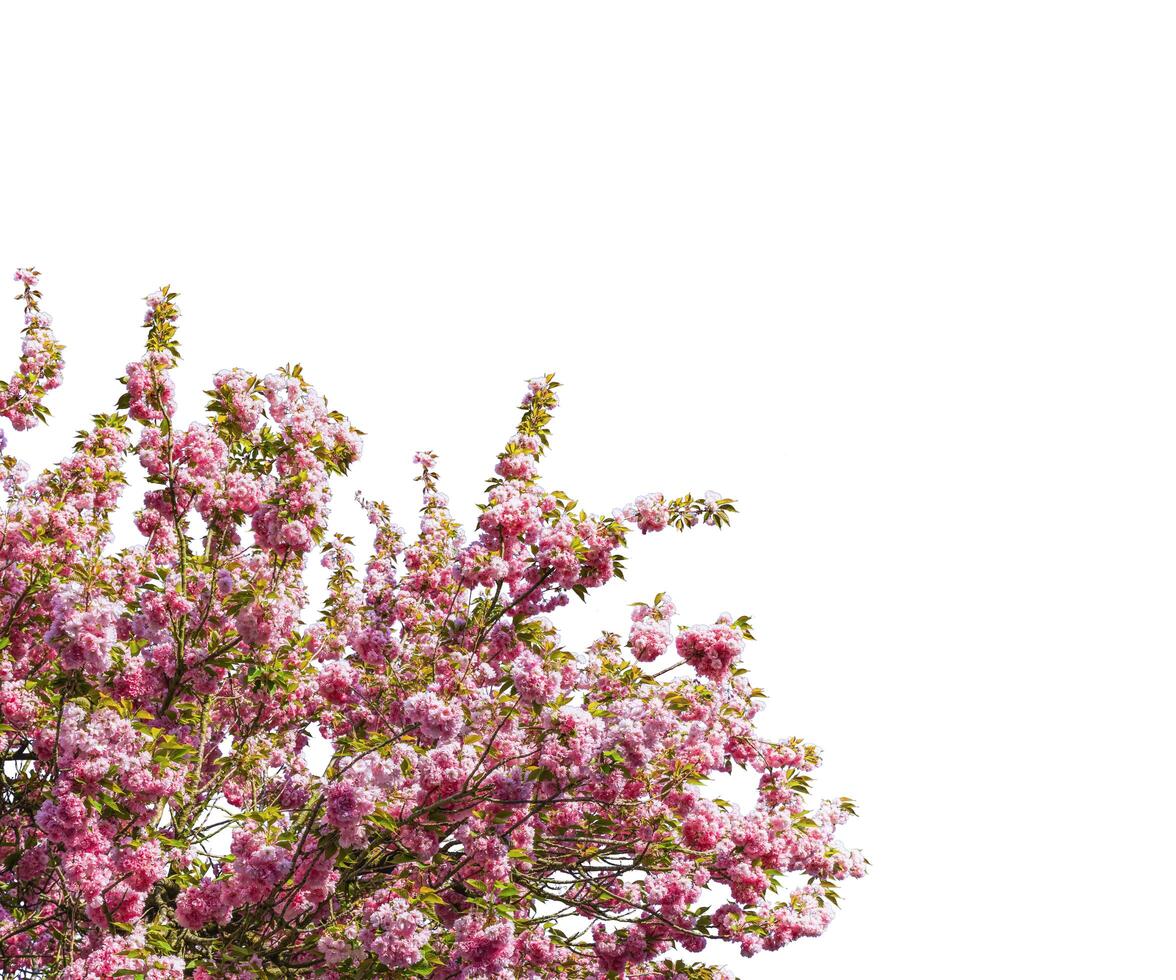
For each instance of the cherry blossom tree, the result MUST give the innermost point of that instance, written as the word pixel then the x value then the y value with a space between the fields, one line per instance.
pixel 494 804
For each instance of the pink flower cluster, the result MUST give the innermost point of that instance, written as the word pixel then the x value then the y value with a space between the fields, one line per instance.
pixel 150 387
pixel 41 362
pixel 711 650
pixel 649 636
pixel 393 930
pixel 84 629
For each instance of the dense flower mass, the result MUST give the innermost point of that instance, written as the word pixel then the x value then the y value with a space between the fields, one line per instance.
pixel 494 803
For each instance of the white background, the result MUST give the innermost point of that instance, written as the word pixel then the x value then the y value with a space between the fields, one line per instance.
pixel 896 275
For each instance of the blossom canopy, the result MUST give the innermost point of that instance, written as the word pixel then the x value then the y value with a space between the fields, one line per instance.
pixel 494 803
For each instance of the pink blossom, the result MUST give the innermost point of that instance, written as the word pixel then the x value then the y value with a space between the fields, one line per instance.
pixel 393 931
pixel 710 650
